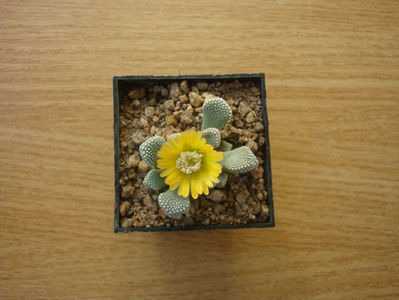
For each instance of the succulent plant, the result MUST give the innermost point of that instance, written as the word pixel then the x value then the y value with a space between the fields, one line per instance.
pixel 216 113
pixel 154 181
pixel 212 137
pixel 225 146
pixel 240 160
pixel 190 163
pixel 150 148
pixel 173 204
pixel 222 180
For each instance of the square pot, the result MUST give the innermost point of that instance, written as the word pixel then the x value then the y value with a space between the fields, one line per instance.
pixel 121 86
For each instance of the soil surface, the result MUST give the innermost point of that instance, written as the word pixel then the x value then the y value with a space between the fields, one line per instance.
pixel 175 107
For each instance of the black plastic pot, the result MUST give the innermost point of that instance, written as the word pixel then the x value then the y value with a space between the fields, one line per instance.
pixel 122 85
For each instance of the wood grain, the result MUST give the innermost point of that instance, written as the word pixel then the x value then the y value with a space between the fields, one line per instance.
pixel 333 95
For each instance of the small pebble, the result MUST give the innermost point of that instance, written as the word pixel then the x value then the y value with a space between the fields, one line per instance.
pixel 138 224
pixel 150 203
pixel 171 120
pixel 170 104
pixel 239 123
pixel 258 127
pixel 251 117
pixel 162 214
pixel 133 161
pixel 206 221
pixel 257 173
pixel 143 121
pixel 230 102
pixel 218 209
pixel 242 196
pixel 138 137
pixel 264 210
pixel 195 99
pixel 183 98
pixel 174 90
pixel 187 116
pixel 143 167
pixel 207 96
pixel 137 93
pixel 252 145
pixel 149 111
pixel 235 84
pixel 157 89
pixel 124 208
pixel 127 191
pixel 206 204
pixel 202 85
pixel 136 103
pixel 243 109
pixel 126 222
pixel 217 196
pixel 164 92
pixel 184 86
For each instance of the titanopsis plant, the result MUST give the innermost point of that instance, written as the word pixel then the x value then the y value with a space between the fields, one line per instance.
pixel 192 162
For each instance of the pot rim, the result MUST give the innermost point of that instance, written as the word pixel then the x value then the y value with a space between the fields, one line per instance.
pixel 260 78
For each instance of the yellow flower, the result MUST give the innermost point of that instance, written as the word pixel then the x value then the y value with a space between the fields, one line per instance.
pixel 189 164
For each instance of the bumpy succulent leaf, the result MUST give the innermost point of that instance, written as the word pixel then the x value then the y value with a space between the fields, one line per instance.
pixel 154 181
pixel 216 112
pixel 150 148
pixel 240 160
pixel 172 204
pixel 212 136
pixel 222 180
pixel 225 146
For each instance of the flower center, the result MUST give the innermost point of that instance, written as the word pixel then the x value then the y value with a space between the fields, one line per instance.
pixel 189 162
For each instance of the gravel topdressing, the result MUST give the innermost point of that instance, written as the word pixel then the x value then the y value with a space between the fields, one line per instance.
pixel 175 107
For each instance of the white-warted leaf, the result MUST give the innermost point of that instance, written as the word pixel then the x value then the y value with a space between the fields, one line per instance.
pixel 150 148
pixel 225 146
pixel 222 180
pixel 173 135
pixel 154 181
pixel 216 112
pixel 172 204
pixel 212 136
pixel 240 160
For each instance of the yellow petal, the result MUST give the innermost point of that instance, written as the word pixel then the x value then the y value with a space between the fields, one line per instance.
pixel 174 179
pixel 196 186
pixel 184 187
pixel 194 192
pixel 206 149
pixel 167 172
pixel 166 164
pixel 199 185
pixel 213 156
pixel 205 187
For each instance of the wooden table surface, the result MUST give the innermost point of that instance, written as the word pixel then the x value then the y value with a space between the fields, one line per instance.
pixel 332 72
